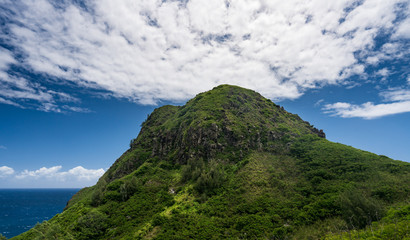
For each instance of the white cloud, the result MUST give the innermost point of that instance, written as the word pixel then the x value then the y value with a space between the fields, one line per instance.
pixel 3 147
pixel 5 101
pixel 403 29
pixel 76 109
pixel 42 172
pixel 154 50
pixel 6 58
pixel 6 171
pixel 319 102
pixel 78 173
pixel 85 174
pixel 396 95
pixel 367 110
pixel 50 177
pixel 388 51
pixel 384 72
pixel 14 89
pixel 373 59
pixel 396 101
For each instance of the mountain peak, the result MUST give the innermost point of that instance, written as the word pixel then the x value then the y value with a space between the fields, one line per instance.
pixel 223 95
pixel 227 120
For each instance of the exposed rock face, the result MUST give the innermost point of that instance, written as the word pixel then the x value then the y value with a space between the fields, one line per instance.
pixel 320 133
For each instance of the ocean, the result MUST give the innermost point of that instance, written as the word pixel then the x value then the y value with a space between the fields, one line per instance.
pixel 22 209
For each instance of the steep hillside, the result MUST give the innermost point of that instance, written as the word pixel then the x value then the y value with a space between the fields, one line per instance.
pixel 224 123
pixel 231 164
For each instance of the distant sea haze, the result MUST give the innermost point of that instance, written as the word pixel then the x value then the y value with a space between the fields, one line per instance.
pixel 22 209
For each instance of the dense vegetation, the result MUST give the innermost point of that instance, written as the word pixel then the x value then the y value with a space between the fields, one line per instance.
pixel 232 164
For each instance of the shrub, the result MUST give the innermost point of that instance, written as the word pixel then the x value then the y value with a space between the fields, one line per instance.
pixel 193 169
pixel 96 198
pixel 91 226
pixel 112 196
pixel 358 210
pixel 210 180
pixel 128 188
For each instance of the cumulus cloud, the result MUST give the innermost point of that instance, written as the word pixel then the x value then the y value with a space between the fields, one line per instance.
pixel 77 174
pixel 85 174
pixel 42 172
pixel 3 147
pixel 6 171
pixel 389 51
pixel 50 177
pixel 384 72
pixel 148 51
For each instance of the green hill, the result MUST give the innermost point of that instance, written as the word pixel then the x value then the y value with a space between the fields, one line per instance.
pixel 231 164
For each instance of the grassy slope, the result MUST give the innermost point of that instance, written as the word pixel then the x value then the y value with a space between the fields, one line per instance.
pixel 231 164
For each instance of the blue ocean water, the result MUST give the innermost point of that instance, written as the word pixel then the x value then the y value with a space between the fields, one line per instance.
pixel 22 209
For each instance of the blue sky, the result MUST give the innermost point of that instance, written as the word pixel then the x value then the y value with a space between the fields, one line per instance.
pixel 77 78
